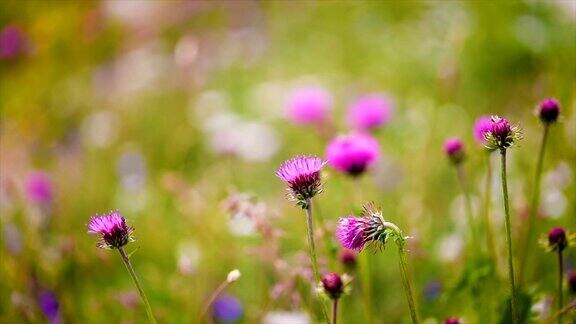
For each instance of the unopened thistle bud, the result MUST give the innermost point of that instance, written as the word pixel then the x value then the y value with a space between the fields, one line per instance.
pixel 302 174
pixel 452 320
pixel 454 149
pixel 502 135
pixel 558 239
pixel 548 110
pixel 333 285
pixel 112 228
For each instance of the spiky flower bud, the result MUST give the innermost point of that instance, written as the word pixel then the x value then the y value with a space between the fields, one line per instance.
pixel 502 135
pixel 112 228
pixel 548 110
pixel 302 174
pixel 454 149
pixel 557 239
pixel 334 285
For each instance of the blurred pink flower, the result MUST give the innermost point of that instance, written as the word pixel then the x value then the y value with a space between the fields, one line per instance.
pixel 370 112
pixel 39 188
pixel 13 42
pixel 352 153
pixel 309 106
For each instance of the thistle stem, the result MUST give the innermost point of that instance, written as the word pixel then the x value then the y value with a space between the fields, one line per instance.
pixel 335 311
pixel 128 265
pixel 487 203
pixel 406 282
pixel 513 307
pixel 468 203
pixel 312 247
pixel 560 278
pixel 534 203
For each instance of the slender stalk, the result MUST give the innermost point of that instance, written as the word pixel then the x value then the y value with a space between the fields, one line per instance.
pixel 335 311
pixel 312 247
pixel 137 283
pixel 513 307
pixel 406 283
pixel 560 278
pixel 534 203
pixel 211 300
pixel 467 202
pixel 487 203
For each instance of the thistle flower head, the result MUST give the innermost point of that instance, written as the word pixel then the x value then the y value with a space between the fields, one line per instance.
pixel 333 285
pixel 548 110
pixel 558 239
pixel 112 228
pixel 353 153
pixel 369 112
pixel 454 149
pixel 302 174
pixel 482 126
pixel 502 135
pixel 309 105
pixel 355 233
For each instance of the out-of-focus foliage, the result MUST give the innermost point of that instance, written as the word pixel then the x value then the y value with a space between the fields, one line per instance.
pixel 173 111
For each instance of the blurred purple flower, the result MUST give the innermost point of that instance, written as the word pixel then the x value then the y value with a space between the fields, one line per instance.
pixel 112 228
pixel 370 112
pixel 557 239
pixel 39 187
pixel 332 285
pixel 309 105
pixel 432 290
pixel 302 174
pixel 49 305
pixel 482 126
pixel 352 153
pixel 454 149
pixel 548 110
pixel 12 42
pixel 452 320
pixel 227 309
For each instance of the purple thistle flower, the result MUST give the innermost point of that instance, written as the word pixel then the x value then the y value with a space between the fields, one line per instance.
pixel 452 320
pixel 557 239
pixel 227 309
pixel 12 42
pixel 572 281
pixel 112 228
pixel 309 106
pixel 39 188
pixel 369 112
pixel 548 110
pixel 502 135
pixel 454 148
pixel 332 285
pixel 353 153
pixel 49 305
pixel 302 174
pixel 482 126
pixel 355 233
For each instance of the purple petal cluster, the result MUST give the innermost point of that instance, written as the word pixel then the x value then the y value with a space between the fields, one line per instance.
pixel 482 126
pixel 454 149
pixel 39 188
pixel 353 153
pixel 557 239
pixel 369 112
pixel 302 174
pixel 502 134
pixel 309 106
pixel 112 228
pixel 548 110
pixel 227 309
pixel 50 307
pixel 12 42
pixel 355 233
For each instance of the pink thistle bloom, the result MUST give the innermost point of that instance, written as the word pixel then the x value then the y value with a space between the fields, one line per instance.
pixel 39 188
pixel 370 112
pixel 12 42
pixel 308 106
pixel 302 174
pixel 352 232
pixel 502 135
pixel 482 126
pixel 112 228
pixel 452 320
pixel 352 153
pixel 454 148
pixel 548 110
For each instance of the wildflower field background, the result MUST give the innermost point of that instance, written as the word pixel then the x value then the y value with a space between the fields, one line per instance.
pixel 176 114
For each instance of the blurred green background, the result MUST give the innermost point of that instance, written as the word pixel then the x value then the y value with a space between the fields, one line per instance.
pixel 124 105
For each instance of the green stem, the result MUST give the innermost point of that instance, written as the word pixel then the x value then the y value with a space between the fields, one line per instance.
pixel 406 281
pixel 335 311
pixel 560 278
pixel 487 203
pixel 513 308
pixel 468 204
pixel 312 247
pixel 137 283
pixel 534 203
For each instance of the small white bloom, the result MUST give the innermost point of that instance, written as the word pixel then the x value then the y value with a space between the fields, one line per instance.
pixel 233 275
